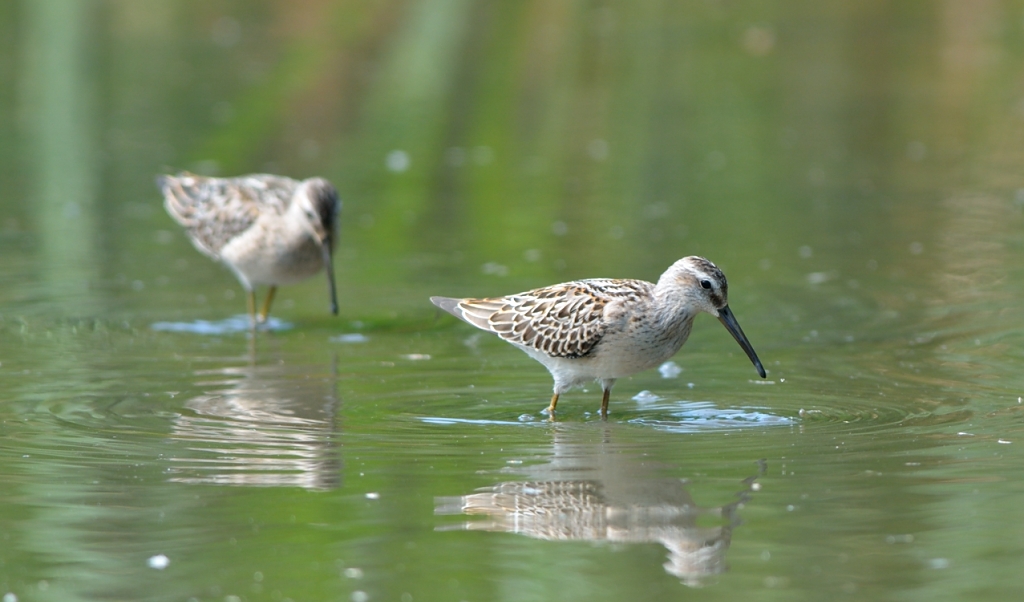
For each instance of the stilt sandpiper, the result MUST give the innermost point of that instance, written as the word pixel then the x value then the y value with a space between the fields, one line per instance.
pixel 604 329
pixel 268 229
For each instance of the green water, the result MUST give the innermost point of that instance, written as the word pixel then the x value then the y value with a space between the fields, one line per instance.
pixel 856 169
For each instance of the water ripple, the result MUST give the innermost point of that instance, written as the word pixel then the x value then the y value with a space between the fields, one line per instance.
pixel 877 417
pixel 525 418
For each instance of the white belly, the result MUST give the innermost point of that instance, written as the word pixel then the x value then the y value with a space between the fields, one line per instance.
pixel 261 259
pixel 619 355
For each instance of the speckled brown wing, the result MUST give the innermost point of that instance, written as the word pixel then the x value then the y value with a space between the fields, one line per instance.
pixel 215 210
pixel 565 320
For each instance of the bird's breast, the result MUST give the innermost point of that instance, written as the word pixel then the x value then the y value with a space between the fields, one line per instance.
pixel 641 344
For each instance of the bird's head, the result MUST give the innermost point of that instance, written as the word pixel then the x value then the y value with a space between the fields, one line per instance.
pixel 701 286
pixel 318 201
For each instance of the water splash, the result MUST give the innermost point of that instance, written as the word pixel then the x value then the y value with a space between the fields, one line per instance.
pixel 352 337
pixel 239 323
pixel 670 369
pixel 697 416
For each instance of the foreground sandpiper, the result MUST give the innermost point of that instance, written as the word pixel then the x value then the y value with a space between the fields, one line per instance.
pixel 270 230
pixel 604 329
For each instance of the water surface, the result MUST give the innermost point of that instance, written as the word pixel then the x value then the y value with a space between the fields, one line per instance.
pixel 855 170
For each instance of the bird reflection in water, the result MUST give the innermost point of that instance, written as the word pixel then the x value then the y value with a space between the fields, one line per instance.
pixel 261 425
pixel 616 504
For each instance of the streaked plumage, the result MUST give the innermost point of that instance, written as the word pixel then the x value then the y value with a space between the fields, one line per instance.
pixel 604 329
pixel 270 230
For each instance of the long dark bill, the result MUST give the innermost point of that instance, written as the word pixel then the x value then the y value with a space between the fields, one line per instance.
pixel 729 321
pixel 325 248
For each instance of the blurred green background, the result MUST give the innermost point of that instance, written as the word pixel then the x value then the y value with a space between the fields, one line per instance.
pixel 541 141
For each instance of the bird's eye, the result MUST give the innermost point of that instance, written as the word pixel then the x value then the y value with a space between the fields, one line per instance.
pixel 705 284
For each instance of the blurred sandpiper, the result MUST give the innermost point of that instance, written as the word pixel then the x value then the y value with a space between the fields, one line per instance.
pixel 605 329
pixel 269 230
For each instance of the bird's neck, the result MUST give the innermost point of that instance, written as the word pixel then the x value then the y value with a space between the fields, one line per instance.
pixel 670 306
pixel 294 219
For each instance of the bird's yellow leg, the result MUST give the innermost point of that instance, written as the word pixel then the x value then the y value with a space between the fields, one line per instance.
pixel 250 300
pixel 604 403
pixel 266 305
pixel 551 406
